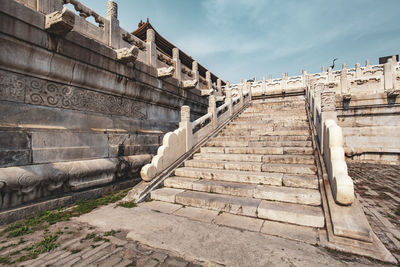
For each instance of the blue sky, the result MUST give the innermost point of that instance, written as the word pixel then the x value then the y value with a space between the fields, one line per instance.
pixel 250 38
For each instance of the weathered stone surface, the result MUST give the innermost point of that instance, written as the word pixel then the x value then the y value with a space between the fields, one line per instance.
pixel 235 205
pixel 290 231
pixel 292 213
pixel 166 194
pixel 241 222
pixel 288 194
pixel 300 181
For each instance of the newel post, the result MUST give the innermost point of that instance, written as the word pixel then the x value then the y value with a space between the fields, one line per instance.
pixel 187 125
pixel 177 63
pixel 114 30
pixel 212 108
pixel 228 97
pixel 344 85
pixel 208 79
pixel 151 48
pixel 219 87
pixel 263 86
pixel 240 92
pixel 195 71
pixel 388 74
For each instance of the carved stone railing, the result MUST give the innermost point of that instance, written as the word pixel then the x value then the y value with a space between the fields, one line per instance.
pixel 371 78
pixel 107 31
pixel 189 134
pixel 322 108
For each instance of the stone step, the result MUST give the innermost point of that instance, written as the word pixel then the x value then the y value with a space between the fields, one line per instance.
pixel 277 211
pixel 300 181
pixel 266 118
pixel 292 213
pixel 269 116
pixel 262 132
pixel 252 177
pixel 252 166
pixel 259 150
pixel 273 193
pixel 225 165
pixel 265 127
pixel 289 168
pixel 228 143
pixel 279 99
pixel 275 107
pixel 260 123
pixel 299 159
pixel 265 138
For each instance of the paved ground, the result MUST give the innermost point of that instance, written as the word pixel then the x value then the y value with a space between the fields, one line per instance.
pixel 378 188
pixel 163 239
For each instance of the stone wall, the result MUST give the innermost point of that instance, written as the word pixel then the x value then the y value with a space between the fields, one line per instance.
pixel 73 116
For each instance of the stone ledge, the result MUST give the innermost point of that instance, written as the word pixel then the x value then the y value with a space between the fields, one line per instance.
pixel 25 184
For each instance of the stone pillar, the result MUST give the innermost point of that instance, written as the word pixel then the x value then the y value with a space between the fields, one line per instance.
pixel 322 70
pixel 114 38
pixel 388 74
pixel 304 77
pixel 330 75
pixel 228 97
pixel 344 86
pixel 177 62
pixel 151 52
pixel 283 83
pixel 247 85
pixel 49 6
pixel 187 125
pixel 367 65
pixel 208 79
pixel 212 108
pixel 270 78
pixel 219 86
pixel 195 71
pixel 358 71
pixel 263 86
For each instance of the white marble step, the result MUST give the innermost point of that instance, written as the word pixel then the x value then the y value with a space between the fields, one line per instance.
pixel 277 211
pixel 274 193
pixel 260 150
pixel 291 159
pixel 252 166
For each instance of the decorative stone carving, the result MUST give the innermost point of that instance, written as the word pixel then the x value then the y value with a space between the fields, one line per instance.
pixel 328 101
pixel 22 88
pixel 165 72
pixel 85 12
pixel 112 9
pixel 189 84
pixel 129 38
pixel 126 55
pixel 12 87
pixel 19 185
pixel 392 92
pixel 60 23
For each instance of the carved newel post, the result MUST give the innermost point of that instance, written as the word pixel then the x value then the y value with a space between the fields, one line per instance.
pixel 177 63
pixel 208 79
pixel 114 29
pixel 112 9
pixel 195 71
pixel 344 85
pixel 228 97
pixel 151 48
pixel 212 108
pixel 187 125
pixel 219 87
pixel 263 86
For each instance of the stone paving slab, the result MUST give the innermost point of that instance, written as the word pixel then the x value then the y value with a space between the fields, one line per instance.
pixel 212 244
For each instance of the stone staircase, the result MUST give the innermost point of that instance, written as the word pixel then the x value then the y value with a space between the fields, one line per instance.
pixel 260 165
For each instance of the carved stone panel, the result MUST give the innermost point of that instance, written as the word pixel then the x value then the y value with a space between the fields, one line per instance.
pixel 21 88
pixel 328 101
pixel 12 87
